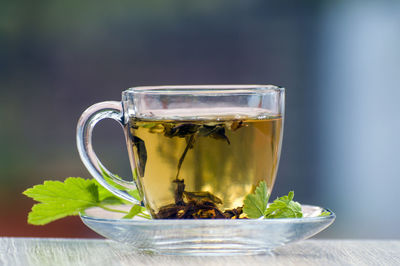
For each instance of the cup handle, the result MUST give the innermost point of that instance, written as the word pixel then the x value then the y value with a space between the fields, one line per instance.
pixel 86 123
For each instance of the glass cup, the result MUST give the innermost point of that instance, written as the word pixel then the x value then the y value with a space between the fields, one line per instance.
pixel 195 151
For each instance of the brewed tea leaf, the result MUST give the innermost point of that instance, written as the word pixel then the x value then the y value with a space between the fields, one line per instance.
pixel 202 195
pixel 237 124
pixel 234 213
pixel 192 210
pixel 190 140
pixel 206 130
pixel 215 132
pixel 169 211
pixel 142 153
pixel 189 145
pixel 148 125
pixel 156 128
pixel 181 130
pixel 203 210
pixel 178 191
pixel 219 133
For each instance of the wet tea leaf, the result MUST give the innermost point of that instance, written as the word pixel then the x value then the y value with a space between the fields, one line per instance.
pixel 142 153
pixel 206 130
pixel 190 210
pixel 190 140
pixel 149 125
pixel 181 130
pixel 237 124
pixel 156 128
pixel 215 132
pixel 178 191
pixel 219 133
pixel 189 145
pixel 233 213
pixel 202 195
pixel 169 211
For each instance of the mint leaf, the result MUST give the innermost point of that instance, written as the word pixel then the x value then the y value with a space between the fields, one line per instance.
pixel 60 199
pixel 255 204
pixel 284 207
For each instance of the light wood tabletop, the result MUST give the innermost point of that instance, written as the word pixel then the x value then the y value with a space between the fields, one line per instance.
pixel 53 251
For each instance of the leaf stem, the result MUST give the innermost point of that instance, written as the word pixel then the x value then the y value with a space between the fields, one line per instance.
pixel 112 210
pixel 188 146
pixel 143 215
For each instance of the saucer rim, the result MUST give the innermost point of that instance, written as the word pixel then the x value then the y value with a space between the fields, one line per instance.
pixel 152 222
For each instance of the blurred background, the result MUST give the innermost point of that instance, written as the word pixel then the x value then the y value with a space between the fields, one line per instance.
pixel 339 60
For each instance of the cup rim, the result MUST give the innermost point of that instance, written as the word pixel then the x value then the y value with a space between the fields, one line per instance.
pixel 205 89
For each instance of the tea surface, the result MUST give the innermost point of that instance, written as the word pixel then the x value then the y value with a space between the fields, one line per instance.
pixel 203 169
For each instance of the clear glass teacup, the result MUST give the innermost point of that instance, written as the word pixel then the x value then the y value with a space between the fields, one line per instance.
pixel 195 151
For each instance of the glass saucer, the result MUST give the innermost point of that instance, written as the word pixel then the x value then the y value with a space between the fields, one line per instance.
pixel 206 236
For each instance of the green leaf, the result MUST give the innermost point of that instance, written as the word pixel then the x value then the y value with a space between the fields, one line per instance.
pixel 112 200
pixel 325 213
pixel 109 179
pixel 255 204
pixel 135 193
pixel 104 193
pixel 284 207
pixel 135 210
pixel 60 199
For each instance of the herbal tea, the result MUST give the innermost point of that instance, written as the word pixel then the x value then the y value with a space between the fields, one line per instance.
pixel 202 168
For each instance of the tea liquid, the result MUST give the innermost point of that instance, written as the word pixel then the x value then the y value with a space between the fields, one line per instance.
pixel 217 160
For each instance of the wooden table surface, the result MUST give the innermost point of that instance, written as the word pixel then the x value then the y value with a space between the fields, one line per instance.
pixel 52 251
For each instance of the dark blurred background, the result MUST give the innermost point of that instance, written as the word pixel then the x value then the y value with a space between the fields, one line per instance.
pixel 339 60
